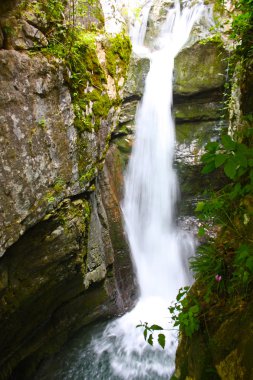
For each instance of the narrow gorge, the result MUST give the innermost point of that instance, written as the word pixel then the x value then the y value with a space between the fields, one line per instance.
pixel 97 229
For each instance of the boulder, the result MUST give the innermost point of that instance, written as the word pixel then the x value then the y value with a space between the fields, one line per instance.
pixel 200 68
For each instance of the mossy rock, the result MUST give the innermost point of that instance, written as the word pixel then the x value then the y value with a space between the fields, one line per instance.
pixel 200 68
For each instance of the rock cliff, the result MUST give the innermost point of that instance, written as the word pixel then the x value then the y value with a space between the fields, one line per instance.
pixel 62 265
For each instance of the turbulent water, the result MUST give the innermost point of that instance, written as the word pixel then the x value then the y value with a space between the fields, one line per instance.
pixel 159 249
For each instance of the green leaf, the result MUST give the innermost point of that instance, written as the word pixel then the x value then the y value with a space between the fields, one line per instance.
pixel 220 159
pixel 145 334
pixel 201 231
pixel 161 340
pixel 150 340
pixel 236 190
pixel 156 327
pixel 181 293
pixel 230 168
pixel 200 206
pixel 212 146
pixel 243 149
pixel 245 276
pixel 228 143
pixel 241 160
pixel 208 168
pixel 171 309
pixel 249 264
pixel 194 309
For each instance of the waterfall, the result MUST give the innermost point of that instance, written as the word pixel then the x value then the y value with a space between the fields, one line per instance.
pixel 151 184
pixel 159 249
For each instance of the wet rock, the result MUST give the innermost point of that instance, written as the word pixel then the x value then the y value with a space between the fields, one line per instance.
pixel 200 68
pixel 157 16
pixel 138 69
pixel 111 185
pixel 197 110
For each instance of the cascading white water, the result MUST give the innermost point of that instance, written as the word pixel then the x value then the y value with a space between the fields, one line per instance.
pixel 151 183
pixel 158 247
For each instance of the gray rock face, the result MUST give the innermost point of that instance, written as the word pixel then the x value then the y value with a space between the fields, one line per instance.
pixel 138 69
pixel 200 68
pixel 58 239
pixel 21 35
pixel 38 139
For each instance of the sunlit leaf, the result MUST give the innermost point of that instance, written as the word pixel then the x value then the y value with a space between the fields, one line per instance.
pixel 200 206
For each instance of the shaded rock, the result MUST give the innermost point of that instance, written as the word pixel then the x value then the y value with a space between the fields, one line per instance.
pixel 7 5
pixel 246 88
pixel 197 110
pixel 133 89
pixel 99 249
pixel 111 184
pixel 223 347
pixel 127 113
pixel 44 158
pixel 138 69
pixel 39 139
pixel 59 241
pixel 44 271
pixel 63 273
pixel 200 68
pixel 1 38
pixel 20 35
pixel 191 140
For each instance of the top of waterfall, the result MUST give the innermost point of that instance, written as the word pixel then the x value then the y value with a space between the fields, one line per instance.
pixel 122 14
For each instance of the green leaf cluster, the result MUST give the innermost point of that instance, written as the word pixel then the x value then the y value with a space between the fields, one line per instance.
pixel 235 158
pixel 185 311
pixel 148 334
pixel 242 27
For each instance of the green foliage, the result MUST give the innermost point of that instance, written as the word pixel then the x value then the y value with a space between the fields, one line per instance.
pixel 59 185
pixel 117 49
pixel 185 311
pixel 207 263
pixel 236 161
pixel 242 27
pixel 235 158
pixel 231 209
pixel 42 122
pixel 243 268
pixel 148 334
